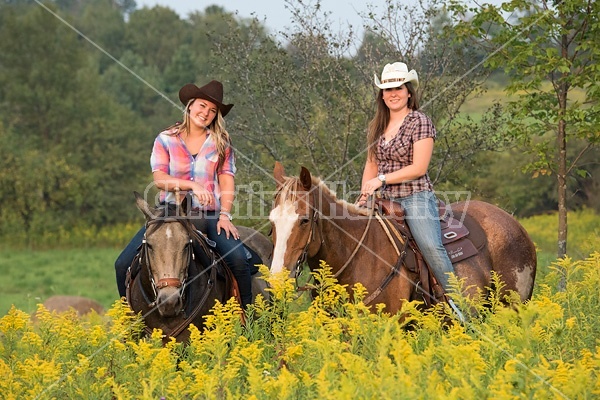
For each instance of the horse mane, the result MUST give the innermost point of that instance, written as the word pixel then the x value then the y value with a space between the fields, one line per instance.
pixel 168 212
pixel 288 191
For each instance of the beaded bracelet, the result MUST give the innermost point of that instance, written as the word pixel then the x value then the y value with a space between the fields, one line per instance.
pixel 228 215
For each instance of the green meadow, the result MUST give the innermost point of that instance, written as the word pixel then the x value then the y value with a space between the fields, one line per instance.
pixel 35 275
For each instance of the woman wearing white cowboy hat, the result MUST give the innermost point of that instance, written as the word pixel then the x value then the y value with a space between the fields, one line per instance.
pixel 196 156
pixel 400 140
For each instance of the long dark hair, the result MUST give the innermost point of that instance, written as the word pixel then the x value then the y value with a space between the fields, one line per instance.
pixel 382 118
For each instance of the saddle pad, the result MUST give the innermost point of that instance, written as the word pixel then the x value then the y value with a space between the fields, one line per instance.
pixel 463 245
pixel 462 236
pixel 452 230
pixel 460 249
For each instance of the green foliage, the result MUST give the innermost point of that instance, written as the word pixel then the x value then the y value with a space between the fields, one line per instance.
pixel 335 348
pixel 77 119
pixel 584 232
pixel 538 43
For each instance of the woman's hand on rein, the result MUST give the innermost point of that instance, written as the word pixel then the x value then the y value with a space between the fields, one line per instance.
pixel 369 188
pixel 204 197
pixel 362 200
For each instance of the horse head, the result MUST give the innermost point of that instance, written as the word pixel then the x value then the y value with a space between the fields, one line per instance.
pixel 166 253
pixel 293 220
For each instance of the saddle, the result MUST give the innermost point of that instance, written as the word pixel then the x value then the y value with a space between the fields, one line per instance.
pixel 462 238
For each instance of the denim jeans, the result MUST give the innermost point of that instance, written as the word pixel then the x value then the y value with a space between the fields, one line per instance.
pixel 231 250
pixel 422 217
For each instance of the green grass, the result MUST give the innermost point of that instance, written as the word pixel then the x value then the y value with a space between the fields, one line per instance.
pixel 476 106
pixel 30 277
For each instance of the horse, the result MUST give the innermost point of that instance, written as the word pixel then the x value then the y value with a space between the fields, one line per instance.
pixel 63 303
pixel 310 223
pixel 176 278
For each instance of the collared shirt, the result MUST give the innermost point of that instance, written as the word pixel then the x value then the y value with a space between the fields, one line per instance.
pixel 171 156
pixel 398 153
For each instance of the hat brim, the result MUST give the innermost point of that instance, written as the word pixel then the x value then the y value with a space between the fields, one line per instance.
pixel 410 77
pixel 191 91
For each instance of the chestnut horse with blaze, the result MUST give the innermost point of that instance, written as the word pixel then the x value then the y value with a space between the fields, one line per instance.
pixel 310 223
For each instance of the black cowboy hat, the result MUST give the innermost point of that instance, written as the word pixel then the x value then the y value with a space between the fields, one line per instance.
pixel 212 91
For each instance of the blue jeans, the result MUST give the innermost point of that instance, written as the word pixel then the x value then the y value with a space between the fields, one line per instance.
pixel 422 217
pixel 231 250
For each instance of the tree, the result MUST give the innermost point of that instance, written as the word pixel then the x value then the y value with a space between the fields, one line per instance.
pixel 549 50
pixel 311 103
pixel 155 34
pixel 67 149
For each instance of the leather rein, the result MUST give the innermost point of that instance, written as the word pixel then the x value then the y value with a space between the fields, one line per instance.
pixel 388 227
pixel 144 260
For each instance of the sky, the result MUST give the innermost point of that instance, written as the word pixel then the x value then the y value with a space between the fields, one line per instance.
pixel 277 17
pixel 274 12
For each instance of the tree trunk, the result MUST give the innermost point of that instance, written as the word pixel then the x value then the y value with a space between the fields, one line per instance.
pixel 562 165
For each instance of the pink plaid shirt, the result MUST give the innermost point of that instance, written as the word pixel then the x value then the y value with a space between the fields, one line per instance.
pixel 398 153
pixel 170 155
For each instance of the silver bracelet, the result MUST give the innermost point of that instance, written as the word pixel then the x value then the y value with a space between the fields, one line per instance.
pixel 228 215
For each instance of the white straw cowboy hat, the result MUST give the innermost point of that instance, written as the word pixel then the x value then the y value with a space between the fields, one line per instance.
pixel 395 75
pixel 212 91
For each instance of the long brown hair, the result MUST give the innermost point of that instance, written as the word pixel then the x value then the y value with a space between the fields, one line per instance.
pixel 216 127
pixel 381 119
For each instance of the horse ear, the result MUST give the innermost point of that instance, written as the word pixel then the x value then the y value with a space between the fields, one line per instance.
pixel 278 174
pixel 305 178
pixel 144 207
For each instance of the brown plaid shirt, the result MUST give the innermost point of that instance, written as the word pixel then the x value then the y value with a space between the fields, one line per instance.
pixel 398 153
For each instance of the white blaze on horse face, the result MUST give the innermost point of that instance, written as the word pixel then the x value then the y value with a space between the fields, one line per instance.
pixel 284 218
pixel 169 233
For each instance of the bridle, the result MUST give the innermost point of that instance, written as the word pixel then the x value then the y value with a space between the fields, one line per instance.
pixel 313 223
pixel 142 260
pixel 145 258
pixel 395 270
pixel 194 235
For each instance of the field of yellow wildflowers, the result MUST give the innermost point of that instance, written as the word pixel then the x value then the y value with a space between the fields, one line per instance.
pixel 333 349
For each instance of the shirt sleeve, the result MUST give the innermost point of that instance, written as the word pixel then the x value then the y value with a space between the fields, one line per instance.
pixel 159 160
pixel 423 128
pixel 228 166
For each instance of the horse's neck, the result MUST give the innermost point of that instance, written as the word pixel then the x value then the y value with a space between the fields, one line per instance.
pixel 341 229
pixel 327 206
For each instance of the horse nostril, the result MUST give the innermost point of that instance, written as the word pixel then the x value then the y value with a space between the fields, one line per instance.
pixel 169 302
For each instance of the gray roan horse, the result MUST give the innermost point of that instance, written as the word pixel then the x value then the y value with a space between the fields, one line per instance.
pixel 309 222
pixel 171 287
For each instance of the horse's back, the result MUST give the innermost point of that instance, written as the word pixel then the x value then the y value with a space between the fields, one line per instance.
pixel 509 250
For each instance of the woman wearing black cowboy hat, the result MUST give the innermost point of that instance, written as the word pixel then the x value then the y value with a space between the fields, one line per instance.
pixel 196 157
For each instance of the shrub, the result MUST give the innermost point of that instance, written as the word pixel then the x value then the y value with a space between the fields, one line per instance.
pixel 333 348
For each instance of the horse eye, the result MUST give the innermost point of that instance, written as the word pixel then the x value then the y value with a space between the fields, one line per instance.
pixel 304 220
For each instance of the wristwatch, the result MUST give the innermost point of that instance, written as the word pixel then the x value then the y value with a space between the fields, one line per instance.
pixel 382 179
